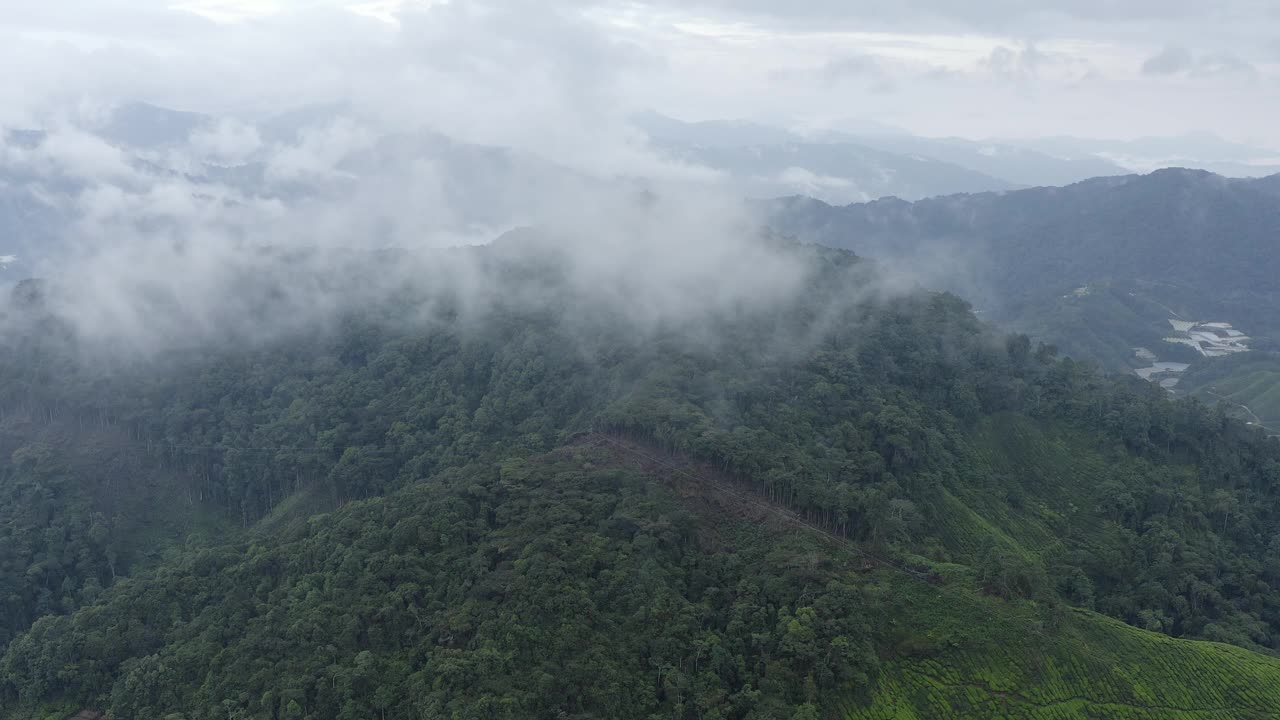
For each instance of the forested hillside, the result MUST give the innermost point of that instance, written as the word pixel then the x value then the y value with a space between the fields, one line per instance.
pixel 544 501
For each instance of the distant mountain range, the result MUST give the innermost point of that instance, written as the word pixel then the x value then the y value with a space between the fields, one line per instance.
pixel 1201 151
pixel 1098 267
pixel 314 171
pixel 841 167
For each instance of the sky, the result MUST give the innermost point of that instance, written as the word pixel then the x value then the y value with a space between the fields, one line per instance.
pixel 555 82
pixel 557 75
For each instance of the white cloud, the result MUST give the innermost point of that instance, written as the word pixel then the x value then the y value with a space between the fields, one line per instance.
pixel 556 76
pixel 319 151
pixel 228 142
pixel 228 11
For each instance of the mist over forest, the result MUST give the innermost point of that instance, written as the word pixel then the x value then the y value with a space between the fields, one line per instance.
pixel 419 359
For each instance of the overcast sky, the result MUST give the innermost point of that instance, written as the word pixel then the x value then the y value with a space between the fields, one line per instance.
pixel 561 70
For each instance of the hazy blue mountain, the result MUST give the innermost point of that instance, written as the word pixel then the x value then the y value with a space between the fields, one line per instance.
pixel 1016 164
pixel 1203 151
pixel 874 161
pixel 711 133
pixel 147 126
pixel 310 163
pixel 764 161
pixel 28 224
pixel 1098 267
pixel 844 167
pixel 287 126
pixel 835 172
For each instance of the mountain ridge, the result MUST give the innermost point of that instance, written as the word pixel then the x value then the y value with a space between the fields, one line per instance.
pixel 1191 242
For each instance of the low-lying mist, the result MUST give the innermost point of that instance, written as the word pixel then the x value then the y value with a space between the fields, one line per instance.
pixel 150 261
pixel 156 230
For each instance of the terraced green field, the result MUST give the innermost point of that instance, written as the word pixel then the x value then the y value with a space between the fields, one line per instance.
pixel 980 657
pixel 1028 494
pixel 961 653
pixel 1248 384
pixel 1258 391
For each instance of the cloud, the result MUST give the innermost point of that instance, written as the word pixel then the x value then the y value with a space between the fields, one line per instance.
pixel 541 77
pixel 1033 66
pixel 67 151
pixel 1018 64
pixel 857 67
pixel 1169 61
pixel 569 68
pixel 252 225
pixel 319 151
pixel 1181 61
pixel 228 142
pixel 987 15
pixel 179 265
pixel 1224 63
pixel 227 11
pixel 447 123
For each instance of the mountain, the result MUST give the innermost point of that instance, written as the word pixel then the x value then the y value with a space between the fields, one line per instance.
pixel 29 224
pixel 842 167
pixel 762 161
pixel 1099 267
pixel 839 172
pixel 143 125
pixel 1023 166
pixel 1201 151
pixel 722 134
pixel 314 173
pixel 517 484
